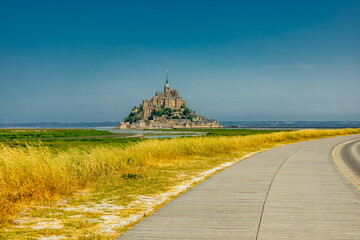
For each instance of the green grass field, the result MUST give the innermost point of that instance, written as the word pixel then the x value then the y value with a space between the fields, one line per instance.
pixel 30 134
pixel 224 132
pixel 62 139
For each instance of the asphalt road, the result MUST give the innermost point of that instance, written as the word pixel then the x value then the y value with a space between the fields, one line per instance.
pixel 291 192
pixel 350 155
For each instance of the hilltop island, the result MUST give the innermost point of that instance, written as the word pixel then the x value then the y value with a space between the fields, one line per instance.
pixel 165 110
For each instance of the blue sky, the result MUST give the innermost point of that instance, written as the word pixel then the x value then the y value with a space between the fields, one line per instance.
pixel 230 60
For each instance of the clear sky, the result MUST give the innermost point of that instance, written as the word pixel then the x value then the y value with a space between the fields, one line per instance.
pixel 230 60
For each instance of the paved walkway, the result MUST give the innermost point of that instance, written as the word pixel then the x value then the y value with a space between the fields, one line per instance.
pixel 291 192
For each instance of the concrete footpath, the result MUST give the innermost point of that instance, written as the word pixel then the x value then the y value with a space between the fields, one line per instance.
pixel 291 192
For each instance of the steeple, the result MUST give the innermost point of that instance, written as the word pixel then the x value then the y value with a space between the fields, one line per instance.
pixel 167 86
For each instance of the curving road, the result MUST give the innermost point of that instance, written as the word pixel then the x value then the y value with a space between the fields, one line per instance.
pixel 349 153
pixel 291 192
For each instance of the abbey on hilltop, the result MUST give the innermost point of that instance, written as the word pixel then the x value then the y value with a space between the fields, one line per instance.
pixel 165 110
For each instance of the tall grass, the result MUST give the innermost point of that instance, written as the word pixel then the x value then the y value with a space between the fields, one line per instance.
pixel 36 173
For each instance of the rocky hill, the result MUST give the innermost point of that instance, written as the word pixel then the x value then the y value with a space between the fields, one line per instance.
pixel 165 110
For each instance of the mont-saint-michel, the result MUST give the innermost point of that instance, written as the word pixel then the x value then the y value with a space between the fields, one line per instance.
pixel 166 109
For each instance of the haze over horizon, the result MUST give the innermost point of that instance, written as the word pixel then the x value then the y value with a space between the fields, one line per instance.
pixel 230 60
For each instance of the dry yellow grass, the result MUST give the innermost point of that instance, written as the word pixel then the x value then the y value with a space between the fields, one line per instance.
pixel 36 173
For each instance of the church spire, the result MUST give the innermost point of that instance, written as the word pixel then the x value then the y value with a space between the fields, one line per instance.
pixel 167 86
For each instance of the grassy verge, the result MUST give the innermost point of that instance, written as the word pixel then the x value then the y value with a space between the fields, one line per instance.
pixel 105 182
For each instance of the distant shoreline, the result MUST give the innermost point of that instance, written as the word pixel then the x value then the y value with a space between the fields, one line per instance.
pixel 286 125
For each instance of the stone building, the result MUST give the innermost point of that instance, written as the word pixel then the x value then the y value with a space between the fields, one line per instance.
pixel 167 99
